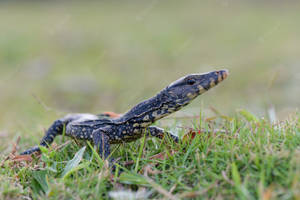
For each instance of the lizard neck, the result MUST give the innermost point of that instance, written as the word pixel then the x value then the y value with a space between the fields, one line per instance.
pixel 147 112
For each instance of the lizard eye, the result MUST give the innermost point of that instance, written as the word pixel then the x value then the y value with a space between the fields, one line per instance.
pixel 191 81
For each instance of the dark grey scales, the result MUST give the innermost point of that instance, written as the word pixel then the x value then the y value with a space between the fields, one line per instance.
pixel 137 121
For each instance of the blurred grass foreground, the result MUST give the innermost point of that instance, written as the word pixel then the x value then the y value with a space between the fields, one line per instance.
pixel 92 56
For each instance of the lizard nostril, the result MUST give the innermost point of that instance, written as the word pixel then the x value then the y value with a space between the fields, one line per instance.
pixel 225 74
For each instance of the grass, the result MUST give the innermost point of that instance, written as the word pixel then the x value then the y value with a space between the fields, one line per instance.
pixel 251 160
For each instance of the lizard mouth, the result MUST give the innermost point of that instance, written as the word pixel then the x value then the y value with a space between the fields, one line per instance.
pixel 224 73
pixel 211 79
pixel 219 76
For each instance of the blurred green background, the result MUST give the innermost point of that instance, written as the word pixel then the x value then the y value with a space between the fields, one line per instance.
pixel 93 56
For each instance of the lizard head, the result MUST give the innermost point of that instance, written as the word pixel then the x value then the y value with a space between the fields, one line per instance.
pixel 173 97
pixel 185 89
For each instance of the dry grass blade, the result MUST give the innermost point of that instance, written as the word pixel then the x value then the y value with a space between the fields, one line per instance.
pixel 41 102
pixel 193 132
pixel 195 194
pixel 21 158
pixel 267 194
pixel 214 110
pixel 173 188
pixel 159 156
pixel 15 146
pixel 148 170
pixel 182 117
pixel 226 178
pixel 12 153
pixel 161 190
pixel 62 145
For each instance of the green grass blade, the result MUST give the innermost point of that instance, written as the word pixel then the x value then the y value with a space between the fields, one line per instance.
pixel 74 162
pixel 40 177
pixel 140 153
pixel 248 116
pixel 132 178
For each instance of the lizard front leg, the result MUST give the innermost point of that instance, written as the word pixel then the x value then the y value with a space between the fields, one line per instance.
pixel 161 133
pixel 101 141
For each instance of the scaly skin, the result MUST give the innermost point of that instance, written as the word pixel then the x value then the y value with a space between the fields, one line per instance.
pixel 110 128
